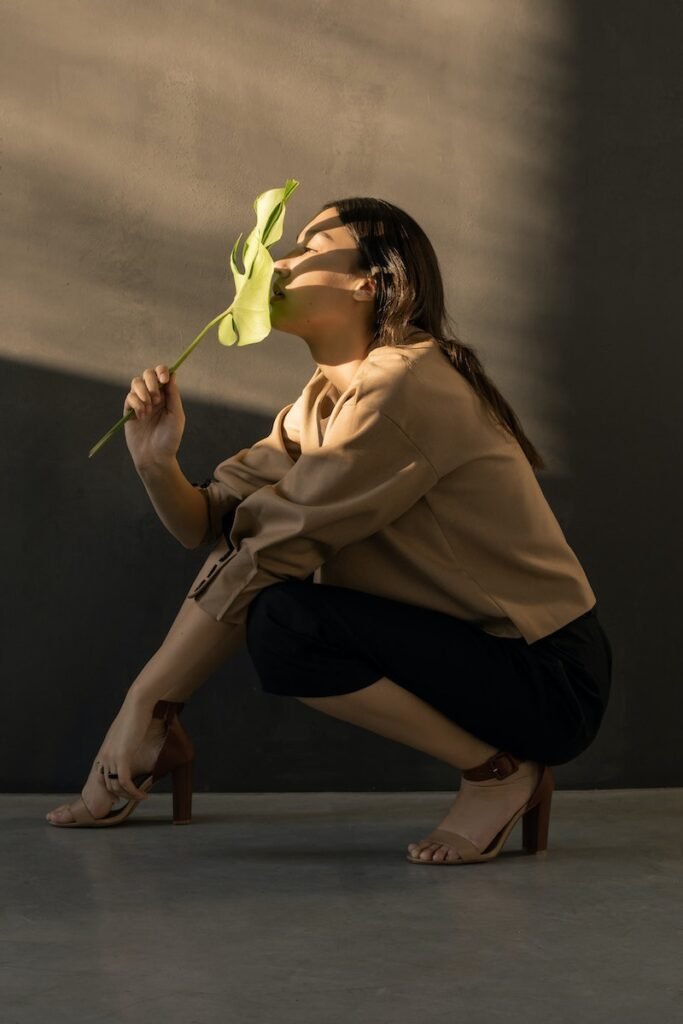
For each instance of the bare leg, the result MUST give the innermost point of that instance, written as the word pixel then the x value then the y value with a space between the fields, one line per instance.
pixel 395 712
pixel 481 808
pixel 195 646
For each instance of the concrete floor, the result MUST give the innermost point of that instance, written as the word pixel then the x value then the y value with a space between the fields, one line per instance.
pixel 301 908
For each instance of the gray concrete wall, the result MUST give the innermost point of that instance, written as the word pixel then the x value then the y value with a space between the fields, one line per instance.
pixel 536 145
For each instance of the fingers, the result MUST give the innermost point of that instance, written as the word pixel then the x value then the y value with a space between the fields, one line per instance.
pixel 122 786
pixel 145 392
pixel 125 783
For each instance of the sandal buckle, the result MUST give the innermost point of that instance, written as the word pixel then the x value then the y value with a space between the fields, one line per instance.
pixel 502 764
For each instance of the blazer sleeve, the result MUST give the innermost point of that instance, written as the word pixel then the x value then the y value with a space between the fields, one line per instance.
pixel 234 479
pixel 366 474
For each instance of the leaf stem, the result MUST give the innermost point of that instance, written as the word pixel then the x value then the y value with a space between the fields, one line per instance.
pixel 131 412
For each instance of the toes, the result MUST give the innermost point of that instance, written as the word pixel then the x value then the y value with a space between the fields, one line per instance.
pixel 433 851
pixel 446 853
pixel 417 849
pixel 60 814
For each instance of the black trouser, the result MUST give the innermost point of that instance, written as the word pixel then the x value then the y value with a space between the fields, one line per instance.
pixel 542 701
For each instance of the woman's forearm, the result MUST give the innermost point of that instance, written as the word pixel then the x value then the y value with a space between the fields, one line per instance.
pixel 178 503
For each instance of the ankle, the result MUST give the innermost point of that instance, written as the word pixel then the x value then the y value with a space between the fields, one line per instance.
pixel 157 727
pixel 476 760
pixel 524 770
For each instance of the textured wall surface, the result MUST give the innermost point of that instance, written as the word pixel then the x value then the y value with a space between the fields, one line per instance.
pixel 534 143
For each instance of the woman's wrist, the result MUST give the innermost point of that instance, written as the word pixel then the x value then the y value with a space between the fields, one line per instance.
pixel 155 467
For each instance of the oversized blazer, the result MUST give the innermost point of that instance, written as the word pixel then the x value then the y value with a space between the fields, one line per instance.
pixel 403 485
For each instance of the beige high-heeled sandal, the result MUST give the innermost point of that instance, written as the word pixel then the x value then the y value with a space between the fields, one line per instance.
pixel 176 756
pixel 536 813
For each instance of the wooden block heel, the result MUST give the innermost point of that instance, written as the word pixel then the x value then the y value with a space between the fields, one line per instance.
pixel 182 794
pixel 535 824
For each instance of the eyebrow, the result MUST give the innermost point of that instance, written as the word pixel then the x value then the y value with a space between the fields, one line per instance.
pixel 325 234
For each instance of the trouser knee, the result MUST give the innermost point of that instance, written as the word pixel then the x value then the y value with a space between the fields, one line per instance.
pixel 282 633
pixel 270 612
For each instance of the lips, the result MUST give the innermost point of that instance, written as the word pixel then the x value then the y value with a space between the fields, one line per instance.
pixel 277 291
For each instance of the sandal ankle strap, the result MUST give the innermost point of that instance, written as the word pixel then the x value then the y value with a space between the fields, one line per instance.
pixel 499 766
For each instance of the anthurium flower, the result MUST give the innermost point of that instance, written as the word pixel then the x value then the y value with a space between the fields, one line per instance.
pixel 247 319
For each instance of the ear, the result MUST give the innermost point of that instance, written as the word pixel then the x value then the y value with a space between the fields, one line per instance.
pixel 366 290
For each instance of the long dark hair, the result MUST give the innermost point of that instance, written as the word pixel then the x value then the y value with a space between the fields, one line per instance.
pixel 393 248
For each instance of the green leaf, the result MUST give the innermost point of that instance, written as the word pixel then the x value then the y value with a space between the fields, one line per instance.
pixel 248 319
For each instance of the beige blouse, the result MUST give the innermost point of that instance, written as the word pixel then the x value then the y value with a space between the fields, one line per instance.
pixel 403 486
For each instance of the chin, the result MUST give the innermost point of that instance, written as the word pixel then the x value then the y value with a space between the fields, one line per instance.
pixel 283 328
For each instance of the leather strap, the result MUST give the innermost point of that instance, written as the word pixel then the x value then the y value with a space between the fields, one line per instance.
pixel 499 766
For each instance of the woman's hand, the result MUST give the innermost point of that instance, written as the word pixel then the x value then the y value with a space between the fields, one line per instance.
pixel 153 435
pixel 125 735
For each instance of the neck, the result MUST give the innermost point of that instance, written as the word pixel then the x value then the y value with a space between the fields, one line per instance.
pixel 341 373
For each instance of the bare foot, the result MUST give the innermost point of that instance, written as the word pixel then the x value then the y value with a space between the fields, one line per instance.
pixel 480 811
pixel 97 798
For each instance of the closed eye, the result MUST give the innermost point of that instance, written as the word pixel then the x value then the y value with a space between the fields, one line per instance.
pixel 304 248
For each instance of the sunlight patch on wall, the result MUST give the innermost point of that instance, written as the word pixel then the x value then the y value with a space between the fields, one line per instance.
pixel 139 142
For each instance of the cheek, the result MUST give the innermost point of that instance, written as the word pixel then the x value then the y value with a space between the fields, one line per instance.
pixel 319 290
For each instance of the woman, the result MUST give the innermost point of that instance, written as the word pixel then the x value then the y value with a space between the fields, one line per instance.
pixel 386 553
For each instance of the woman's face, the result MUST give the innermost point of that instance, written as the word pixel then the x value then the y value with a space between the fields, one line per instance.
pixel 323 290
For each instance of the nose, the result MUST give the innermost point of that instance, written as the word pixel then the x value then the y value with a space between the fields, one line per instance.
pixel 280 272
pixel 279 265
pixel 282 264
